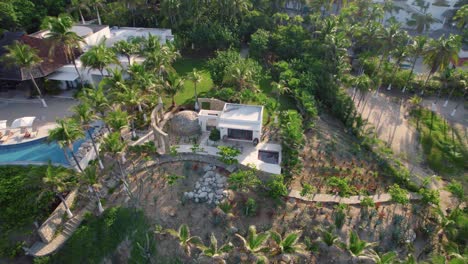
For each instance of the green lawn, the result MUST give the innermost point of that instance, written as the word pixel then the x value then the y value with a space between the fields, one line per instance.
pixel 183 67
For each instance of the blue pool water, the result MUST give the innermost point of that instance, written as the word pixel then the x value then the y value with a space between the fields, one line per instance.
pixel 36 151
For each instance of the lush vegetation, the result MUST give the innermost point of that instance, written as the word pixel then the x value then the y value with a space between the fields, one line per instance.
pixel 443 146
pixel 24 199
pixel 98 237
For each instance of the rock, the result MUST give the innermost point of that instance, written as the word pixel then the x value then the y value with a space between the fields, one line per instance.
pixel 202 195
pixel 197 185
pixel 219 192
pixel 210 196
pixel 219 197
pixel 189 195
pixel 197 200
pixel 285 258
pixel 220 185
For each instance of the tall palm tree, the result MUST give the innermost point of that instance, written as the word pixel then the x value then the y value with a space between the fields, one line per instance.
pixel 195 77
pixel 186 241
pixel 280 88
pixel 116 148
pixel 90 177
pixel 172 85
pixel 58 181
pixel 440 53
pixel 97 99
pixel 132 98
pixel 85 115
pixel 99 57
pixel 61 36
pixel 241 77
pixel 158 62
pixel 80 5
pixel 254 243
pixel 127 48
pixel 398 54
pixel 289 244
pixel 96 4
pixel 215 252
pixel 65 134
pixel 117 119
pixel 421 22
pixel 26 58
pixel 416 49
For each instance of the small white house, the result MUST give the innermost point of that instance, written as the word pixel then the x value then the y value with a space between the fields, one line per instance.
pixel 235 122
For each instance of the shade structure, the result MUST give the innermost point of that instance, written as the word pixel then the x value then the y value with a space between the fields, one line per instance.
pixel 3 124
pixel 63 76
pixel 26 121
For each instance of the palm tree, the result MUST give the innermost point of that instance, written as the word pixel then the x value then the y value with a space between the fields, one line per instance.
pixel 99 57
pixel 462 17
pixel 172 85
pixel 363 84
pixel 440 53
pixel 80 5
pixel 98 101
pixel 215 252
pixel 150 44
pixel 279 88
pixel 421 22
pixel 328 237
pixel 195 77
pixel 186 241
pixel 116 148
pixel 241 77
pixel 24 57
pixel 158 62
pixel 132 98
pixel 85 116
pixel 117 119
pixel 127 48
pixel 96 5
pixel 289 244
pixel 399 54
pixel 90 177
pixel 417 49
pixel 254 243
pixel 356 246
pixel 57 180
pixel 65 134
pixel 60 35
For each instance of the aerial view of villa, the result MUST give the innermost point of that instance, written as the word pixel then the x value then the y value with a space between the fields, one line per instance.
pixel 233 131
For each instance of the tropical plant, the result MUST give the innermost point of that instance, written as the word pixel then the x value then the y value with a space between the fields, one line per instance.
pixel 96 4
pixel 59 182
pixel 279 88
pixel 61 36
pixel 307 189
pixel 24 57
pixel 356 246
pixel 114 145
pixel 289 244
pixel 65 134
pixel 90 177
pixel 398 195
pixel 254 243
pixel 421 22
pixel 128 48
pixel 117 119
pixel 172 85
pixel 215 252
pixel 276 188
pixel 382 258
pixel 244 180
pixel 80 6
pixel 99 57
pixel 228 154
pixel 85 116
pixel 416 49
pixel 440 53
pixel 186 241
pixel 195 77
pixel 328 237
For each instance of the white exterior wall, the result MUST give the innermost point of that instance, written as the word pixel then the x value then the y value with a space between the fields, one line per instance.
pixel 97 37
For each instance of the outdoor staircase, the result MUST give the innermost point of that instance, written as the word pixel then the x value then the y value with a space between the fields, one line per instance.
pixel 40 249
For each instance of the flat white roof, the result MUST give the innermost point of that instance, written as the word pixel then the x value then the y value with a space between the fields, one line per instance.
pixel 124 33
pixel 251 113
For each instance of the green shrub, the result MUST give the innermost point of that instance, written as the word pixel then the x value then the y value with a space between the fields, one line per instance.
pixel 98 237
pixel 250 207
pixel 276 187
pixel 344 190
pixel 228 154
pixel 243 180
pixel 215 135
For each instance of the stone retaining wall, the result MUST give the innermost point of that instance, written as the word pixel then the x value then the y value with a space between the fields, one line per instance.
pixel 49 227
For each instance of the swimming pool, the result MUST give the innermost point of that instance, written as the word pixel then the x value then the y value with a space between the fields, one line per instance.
pixel 36 151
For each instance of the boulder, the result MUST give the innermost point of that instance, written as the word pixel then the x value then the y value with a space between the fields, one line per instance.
pixel 210 196
pixel 203 195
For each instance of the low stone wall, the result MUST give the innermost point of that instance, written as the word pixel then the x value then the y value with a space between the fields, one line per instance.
pixel 48 229
pixel 215 104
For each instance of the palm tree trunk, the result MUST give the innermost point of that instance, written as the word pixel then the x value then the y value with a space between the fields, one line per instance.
pixel 129 58
pixel 81 15
pixel 196 97
pixel 76 68
pixel 98 16
pixel 75 159
pixel 69 213
pixel 44 104
pixel 98 199
pixel 411 74
pixel 101 166
pixel 425 83
pixel 173 101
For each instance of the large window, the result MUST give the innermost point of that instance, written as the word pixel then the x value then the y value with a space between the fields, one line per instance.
pixel 240 134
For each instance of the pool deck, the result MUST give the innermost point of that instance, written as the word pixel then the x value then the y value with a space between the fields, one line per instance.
pixel 18 137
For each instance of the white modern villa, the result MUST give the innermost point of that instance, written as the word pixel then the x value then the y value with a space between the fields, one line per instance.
pixel 235 122
pixel 93 35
